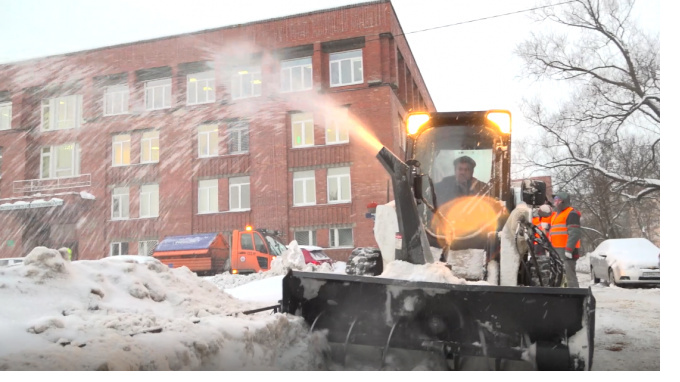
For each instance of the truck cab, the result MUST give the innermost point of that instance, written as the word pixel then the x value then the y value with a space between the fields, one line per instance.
pixel 253 250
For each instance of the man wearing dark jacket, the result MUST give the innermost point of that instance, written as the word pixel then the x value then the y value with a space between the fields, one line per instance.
pixel 565 235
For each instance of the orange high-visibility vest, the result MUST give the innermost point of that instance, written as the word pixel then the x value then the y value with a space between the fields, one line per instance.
pixel 558 230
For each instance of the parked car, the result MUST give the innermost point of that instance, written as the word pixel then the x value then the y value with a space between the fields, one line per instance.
pixel 315 255
pixel 632 261
pixel 8 262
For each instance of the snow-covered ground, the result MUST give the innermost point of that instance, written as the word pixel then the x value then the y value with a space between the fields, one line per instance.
pixel 117 314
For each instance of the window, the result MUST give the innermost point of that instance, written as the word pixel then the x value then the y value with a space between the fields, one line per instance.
pixel 150 147
pixel 340 237
pixel 61 113
pixel 120 147
pixel 239 193
pixel 119 248
pixel 148 201
pixel 337 127
pixel 157 94
pixel 296 74
pixel 201 88
pixel 346 68
pixel 339 185
pixel 116 100
pixel 305 237
pixel 207 141
pixel 5 116
pixel 303 129
pixel 304 188
pixel 207 196
pixel 246 82
pixel 120 203
pixel 60 161
pixel 238 138
pixel 146 247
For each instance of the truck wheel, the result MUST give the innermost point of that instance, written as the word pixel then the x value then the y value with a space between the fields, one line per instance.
pixel 365 261
pixel 543 269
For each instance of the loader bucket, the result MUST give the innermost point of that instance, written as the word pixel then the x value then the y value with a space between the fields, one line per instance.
pixel 548 328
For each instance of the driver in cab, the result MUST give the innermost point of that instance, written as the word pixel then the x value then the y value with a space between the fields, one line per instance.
pixel 462 183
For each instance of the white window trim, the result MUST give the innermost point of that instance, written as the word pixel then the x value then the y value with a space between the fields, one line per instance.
pixel 311 237
pixel 207 189
pixel 120 145
pixel 335 232
pixel 338 179
pixel 237 82
pixel 207 134
pixel 288 71
pixel 49 105
pixel 302 130
pixel 149 141
pixel 146 246
pixel 75 158
pixel 303 181
pixel 117 90
pixel 204 79
pixel 148 87
pixel 118 244
pixel 8 105
pixel 334 119
pixel 240 187
pixel 352 60
pixel 147 196
pixel 121 196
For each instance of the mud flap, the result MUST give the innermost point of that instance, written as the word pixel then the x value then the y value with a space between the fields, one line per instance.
pixel 550 328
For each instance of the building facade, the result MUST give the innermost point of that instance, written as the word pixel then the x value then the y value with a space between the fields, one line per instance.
pixel 273 123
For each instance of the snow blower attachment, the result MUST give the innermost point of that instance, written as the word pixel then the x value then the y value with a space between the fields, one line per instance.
pixel 544 328
pixel 452 195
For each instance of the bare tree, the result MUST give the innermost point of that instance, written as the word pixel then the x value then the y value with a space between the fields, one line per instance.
pixel 614 68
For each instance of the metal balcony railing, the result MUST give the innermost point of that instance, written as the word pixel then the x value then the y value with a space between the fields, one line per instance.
pixel 39 185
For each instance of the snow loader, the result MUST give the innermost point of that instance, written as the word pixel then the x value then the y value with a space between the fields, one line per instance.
pixel 499 317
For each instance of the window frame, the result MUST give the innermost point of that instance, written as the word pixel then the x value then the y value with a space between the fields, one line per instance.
pixel 116 90
pixel 147 248
pixel 122 196
pixel 53 157
pixel 148 196
pixel 311 236
pixel 286 65
pixel 339 179
pixel 334 238
pixel 49 108
pixel 206 78
pixel 151 85
pixel 121 145
pixel 208 133
pixel 6 122
pixel 304 181
pixel 119 244
pixel 203 187
pixel 244 182
pixel 251 73
pixel 352 60
pixel 150 150
pixel 242 130
pixel 334 118
pixel 303 127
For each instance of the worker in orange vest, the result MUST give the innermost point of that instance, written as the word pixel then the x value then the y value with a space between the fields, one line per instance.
pixel 565 235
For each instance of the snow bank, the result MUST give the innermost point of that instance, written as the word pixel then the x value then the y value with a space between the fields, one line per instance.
pixel 434 272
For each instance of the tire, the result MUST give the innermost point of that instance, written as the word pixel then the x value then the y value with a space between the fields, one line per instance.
pixel 612 280
pixel 543 269
pixel 592 276
pixel 365 261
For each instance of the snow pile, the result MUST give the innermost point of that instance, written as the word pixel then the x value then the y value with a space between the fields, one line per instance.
pixel 434 272
pixel 119 315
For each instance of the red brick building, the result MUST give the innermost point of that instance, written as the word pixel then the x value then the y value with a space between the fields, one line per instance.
pixel 269 123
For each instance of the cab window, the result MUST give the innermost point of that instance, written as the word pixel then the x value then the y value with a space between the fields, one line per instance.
pixel 259 244
pixel 247 241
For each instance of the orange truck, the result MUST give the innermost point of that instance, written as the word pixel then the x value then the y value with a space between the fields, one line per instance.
pixel 243 252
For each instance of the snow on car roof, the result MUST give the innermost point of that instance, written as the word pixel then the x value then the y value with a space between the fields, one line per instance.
pixel 631 248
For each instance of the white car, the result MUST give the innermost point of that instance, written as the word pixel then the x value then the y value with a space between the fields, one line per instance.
pixel 632 261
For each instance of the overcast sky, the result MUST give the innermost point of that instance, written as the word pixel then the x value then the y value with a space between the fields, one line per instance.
pixel 467 66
